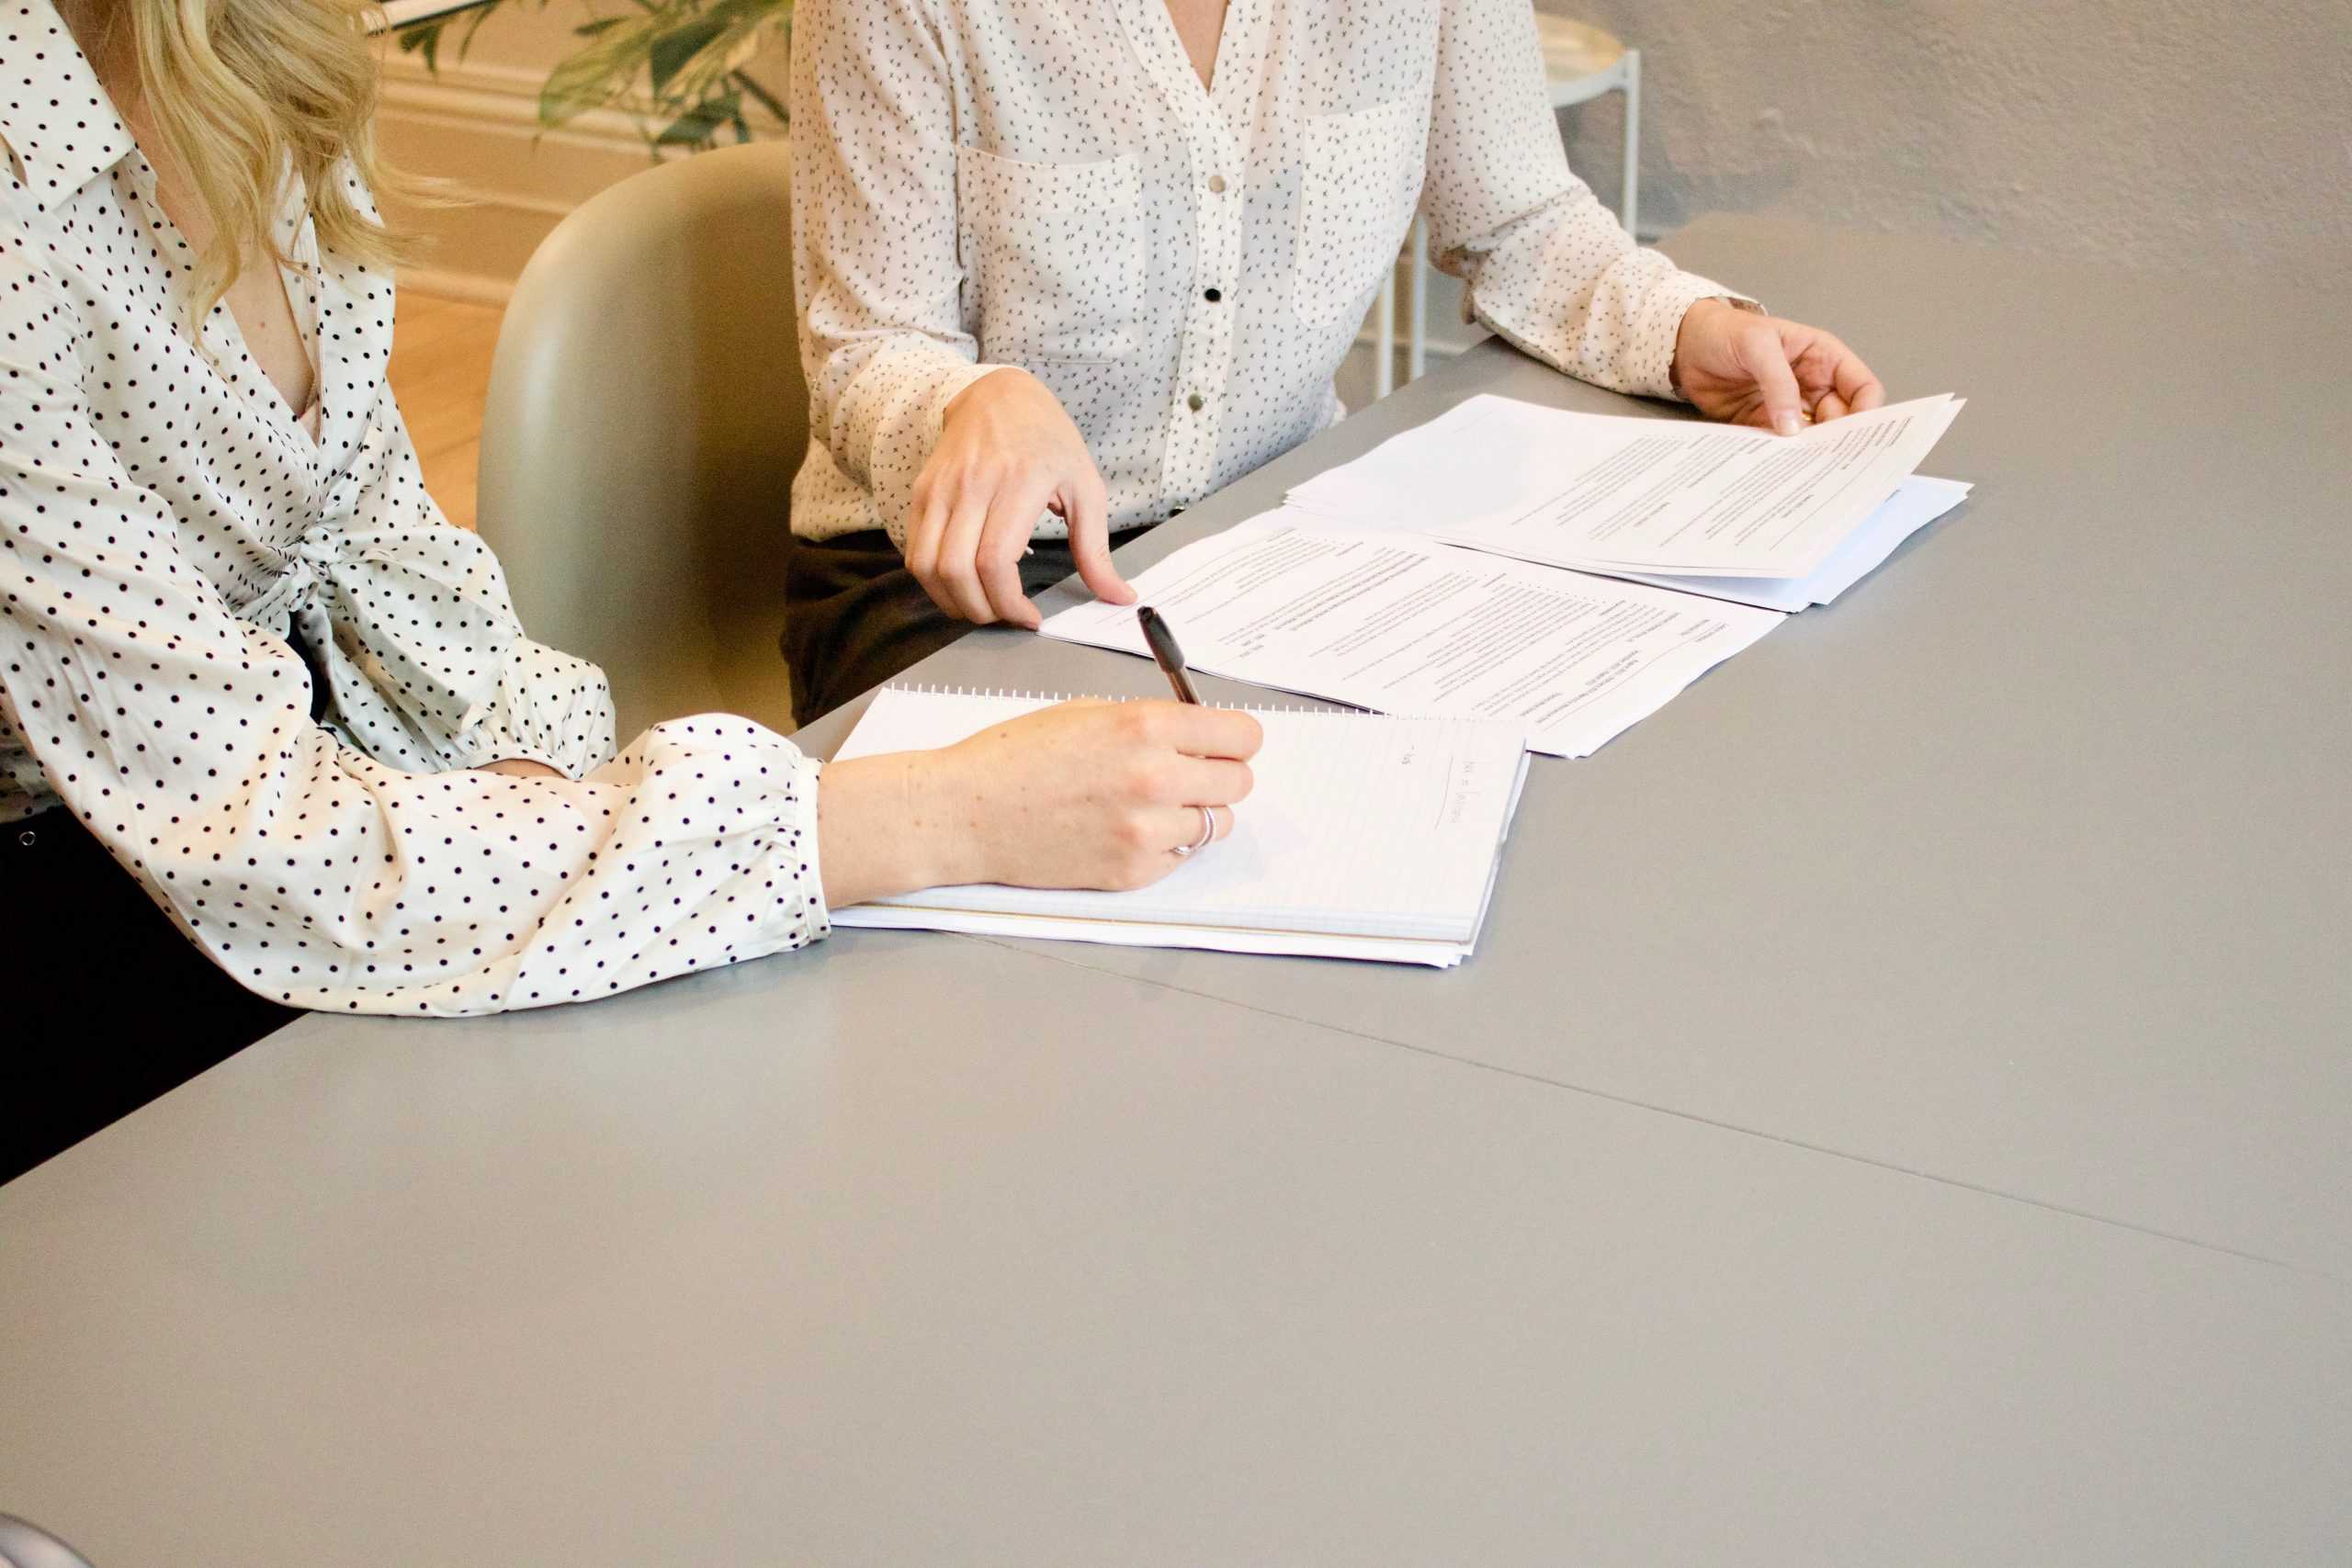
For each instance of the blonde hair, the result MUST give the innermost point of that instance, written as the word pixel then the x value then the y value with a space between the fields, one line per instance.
pixel 247 93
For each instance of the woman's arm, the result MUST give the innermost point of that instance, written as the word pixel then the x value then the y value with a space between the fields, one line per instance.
pixel 181 737
pixel 962 457
pixel 1547 265
pixel 875 240
pixel 1551 270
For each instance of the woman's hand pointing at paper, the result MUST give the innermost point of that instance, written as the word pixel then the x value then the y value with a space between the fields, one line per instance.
pixel 1007 453
pixel 1741 366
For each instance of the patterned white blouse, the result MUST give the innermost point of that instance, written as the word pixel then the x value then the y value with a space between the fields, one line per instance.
pixel 983 183
pixel 169 531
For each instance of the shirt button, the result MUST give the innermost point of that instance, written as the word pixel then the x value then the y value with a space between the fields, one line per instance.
pixel 1196 403
pixel 1216 184
pixel 1211 295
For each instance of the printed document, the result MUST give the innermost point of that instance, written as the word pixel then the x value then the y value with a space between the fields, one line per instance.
pixel 1918 501
pixel 1612 492
pixel 1404 625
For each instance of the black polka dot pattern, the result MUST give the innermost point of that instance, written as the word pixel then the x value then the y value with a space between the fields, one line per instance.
pixel 167 524
pixel 982 183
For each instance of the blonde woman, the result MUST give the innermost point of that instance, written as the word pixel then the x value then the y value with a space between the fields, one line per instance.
pixel 1067 268
pixel 270 737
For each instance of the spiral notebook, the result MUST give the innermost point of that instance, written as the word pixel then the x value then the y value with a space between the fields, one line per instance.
pixel 1364 837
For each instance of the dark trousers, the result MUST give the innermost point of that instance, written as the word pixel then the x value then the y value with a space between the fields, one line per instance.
pixel 854 615
pixel 106 1005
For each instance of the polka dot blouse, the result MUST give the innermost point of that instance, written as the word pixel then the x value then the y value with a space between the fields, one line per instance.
pixel 983 183
pixel 174 542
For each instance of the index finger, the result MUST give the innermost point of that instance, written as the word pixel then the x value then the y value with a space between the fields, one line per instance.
pixel 1087 511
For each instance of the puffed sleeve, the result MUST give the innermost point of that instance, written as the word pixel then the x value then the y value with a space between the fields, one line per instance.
pixel 1548 268
pixel 181 737
pixel 408 622
pixel 875 224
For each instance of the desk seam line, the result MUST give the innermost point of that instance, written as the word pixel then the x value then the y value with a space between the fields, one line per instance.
pixel 1783 1139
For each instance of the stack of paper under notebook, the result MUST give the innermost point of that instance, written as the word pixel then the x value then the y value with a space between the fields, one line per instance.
pixel 1364 837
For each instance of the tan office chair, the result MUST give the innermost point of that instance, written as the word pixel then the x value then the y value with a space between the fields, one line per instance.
pixel 645 413
pixel 24 1545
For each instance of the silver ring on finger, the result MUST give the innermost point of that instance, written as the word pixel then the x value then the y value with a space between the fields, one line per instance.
pixel 1208 831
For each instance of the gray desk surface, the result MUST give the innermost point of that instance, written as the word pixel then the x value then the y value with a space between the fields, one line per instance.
pixel 1895 1118
pixel 2028 865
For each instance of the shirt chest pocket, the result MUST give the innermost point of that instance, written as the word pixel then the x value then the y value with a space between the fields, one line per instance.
pixel 1053 253
pixel 1359 176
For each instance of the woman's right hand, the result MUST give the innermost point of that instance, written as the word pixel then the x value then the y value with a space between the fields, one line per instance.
pixel 1082 794
pixel 1007 452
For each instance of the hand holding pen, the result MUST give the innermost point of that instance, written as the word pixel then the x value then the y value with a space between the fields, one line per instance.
pixel 1170 659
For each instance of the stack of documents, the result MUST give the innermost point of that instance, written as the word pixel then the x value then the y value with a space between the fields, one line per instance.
pixel 1917 501
pixel 1404 625
pixel 1364 837
pixel 1565 573
pixel 1650 498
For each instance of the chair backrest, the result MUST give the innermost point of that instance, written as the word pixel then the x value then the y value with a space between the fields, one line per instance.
pixel 24 1545
pixel 645 413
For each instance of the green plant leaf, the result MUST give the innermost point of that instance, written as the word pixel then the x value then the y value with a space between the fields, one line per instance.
pixel 594 76
pixel 675 49
pixel 479 14
pixel 703 41
pixel 686 55
pixel 424 38
pixel 751 88
pixel 699 127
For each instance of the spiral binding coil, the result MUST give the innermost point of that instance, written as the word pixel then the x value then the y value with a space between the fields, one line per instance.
pixel 1011 694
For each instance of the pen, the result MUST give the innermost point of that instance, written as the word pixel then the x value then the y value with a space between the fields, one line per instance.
pixel 1166 654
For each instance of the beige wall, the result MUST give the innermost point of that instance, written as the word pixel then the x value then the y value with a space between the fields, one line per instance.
pixel 2156 133
pixel 477 123
pixel 2173 134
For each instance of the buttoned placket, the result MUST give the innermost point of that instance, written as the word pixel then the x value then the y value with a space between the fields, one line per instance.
pixel 1215 154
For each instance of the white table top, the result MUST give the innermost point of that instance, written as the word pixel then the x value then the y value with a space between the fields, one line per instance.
pixel 1933 1157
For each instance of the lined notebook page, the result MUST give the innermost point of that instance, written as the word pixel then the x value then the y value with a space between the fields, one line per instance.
pixel 1358 824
